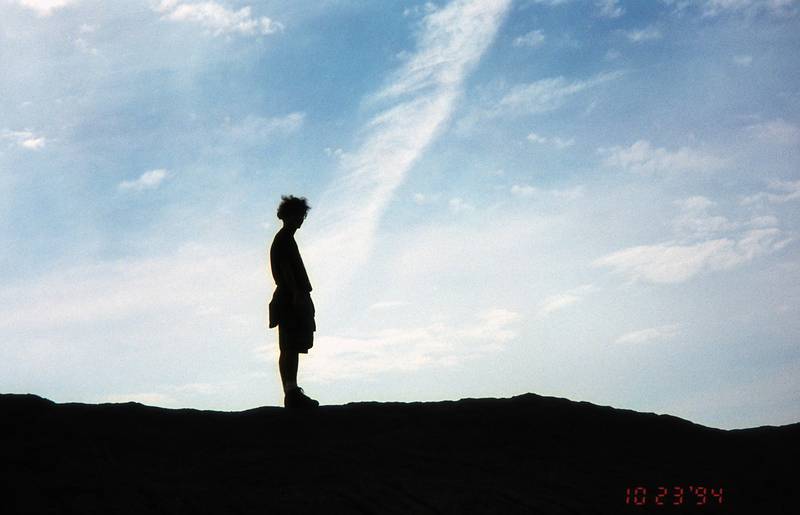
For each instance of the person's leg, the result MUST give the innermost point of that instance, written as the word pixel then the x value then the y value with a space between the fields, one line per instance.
pixel 287 364
pixel 291 344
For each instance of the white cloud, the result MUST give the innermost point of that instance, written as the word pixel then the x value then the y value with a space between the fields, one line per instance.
pixel 718 7
pixel 532 39
pixel 148 180
pixel 84 46
pixel 528 191
pixel 337 153
pixel 563 300
pixel 142 316
pixel 195 278
pixel 743 60
pixel 535 138
pixel 33 143
pixel 524 190
pixel 642 157
pixel 258 129
pixel 650 334
pixel 609 8
pixel 555 303
pixel 573 193
pixel 641 35
pixel 459 205
pixel 763 221
pixel 420 10
pixel 202 388
pixel 696 203
pixel 672 262
pixel 424 90
pixel 694 221
pixel 218 19
pixel 556 141
pixel 546 94
pixel 433 345
pixel 529 98
pixel 705 243
pixel 24 139
pixel 387 305
pixel 776 131
pixel 182 395
pixel 782 191
pixel 463 255
pixel 423 198
pixel 551 3
pixel 45 7
pixel 444 55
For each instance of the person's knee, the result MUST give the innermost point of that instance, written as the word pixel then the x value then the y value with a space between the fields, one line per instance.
pixel 288 355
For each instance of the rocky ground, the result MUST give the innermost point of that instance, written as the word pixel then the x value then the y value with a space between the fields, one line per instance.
pixel 526 454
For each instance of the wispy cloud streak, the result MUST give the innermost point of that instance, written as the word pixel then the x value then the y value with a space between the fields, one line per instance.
pixel 421 96
pixel 45 7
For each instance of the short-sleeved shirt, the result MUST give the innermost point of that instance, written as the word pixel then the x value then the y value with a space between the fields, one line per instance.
pixel 290 275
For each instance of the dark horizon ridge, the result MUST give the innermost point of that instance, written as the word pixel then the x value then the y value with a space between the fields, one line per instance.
pixel 524 454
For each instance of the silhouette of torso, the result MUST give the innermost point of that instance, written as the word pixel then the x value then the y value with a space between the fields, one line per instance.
pixel 290 277
pixel 288 269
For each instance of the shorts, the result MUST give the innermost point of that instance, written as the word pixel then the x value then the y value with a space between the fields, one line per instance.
pixel 295 324
pixel 294 339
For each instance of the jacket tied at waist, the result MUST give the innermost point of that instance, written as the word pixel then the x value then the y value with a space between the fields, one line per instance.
pixel 285 312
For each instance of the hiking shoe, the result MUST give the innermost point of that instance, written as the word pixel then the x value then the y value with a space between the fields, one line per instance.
pixel 295 398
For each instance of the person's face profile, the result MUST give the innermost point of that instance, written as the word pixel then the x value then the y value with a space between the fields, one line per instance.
pixel 295 220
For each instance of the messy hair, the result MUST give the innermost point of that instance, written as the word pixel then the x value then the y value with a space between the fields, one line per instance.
pixel 291 205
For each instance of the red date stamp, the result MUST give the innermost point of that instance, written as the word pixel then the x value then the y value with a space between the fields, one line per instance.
pixel 694 495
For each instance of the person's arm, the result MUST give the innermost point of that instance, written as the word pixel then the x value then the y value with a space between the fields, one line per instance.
pixel 287 279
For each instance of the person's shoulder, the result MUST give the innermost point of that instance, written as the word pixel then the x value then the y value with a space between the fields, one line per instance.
pixel 280 239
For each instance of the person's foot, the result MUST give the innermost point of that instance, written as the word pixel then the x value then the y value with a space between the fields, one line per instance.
pixel 295 398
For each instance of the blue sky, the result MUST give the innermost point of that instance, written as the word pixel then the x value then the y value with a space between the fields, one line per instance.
pixel 587 199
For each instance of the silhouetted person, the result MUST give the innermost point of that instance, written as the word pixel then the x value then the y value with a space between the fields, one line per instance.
pixel 291 308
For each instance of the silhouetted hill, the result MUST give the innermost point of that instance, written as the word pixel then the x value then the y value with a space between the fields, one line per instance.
pixel 526 454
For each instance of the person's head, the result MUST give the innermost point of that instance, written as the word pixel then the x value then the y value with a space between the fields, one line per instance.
pixel 293 210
